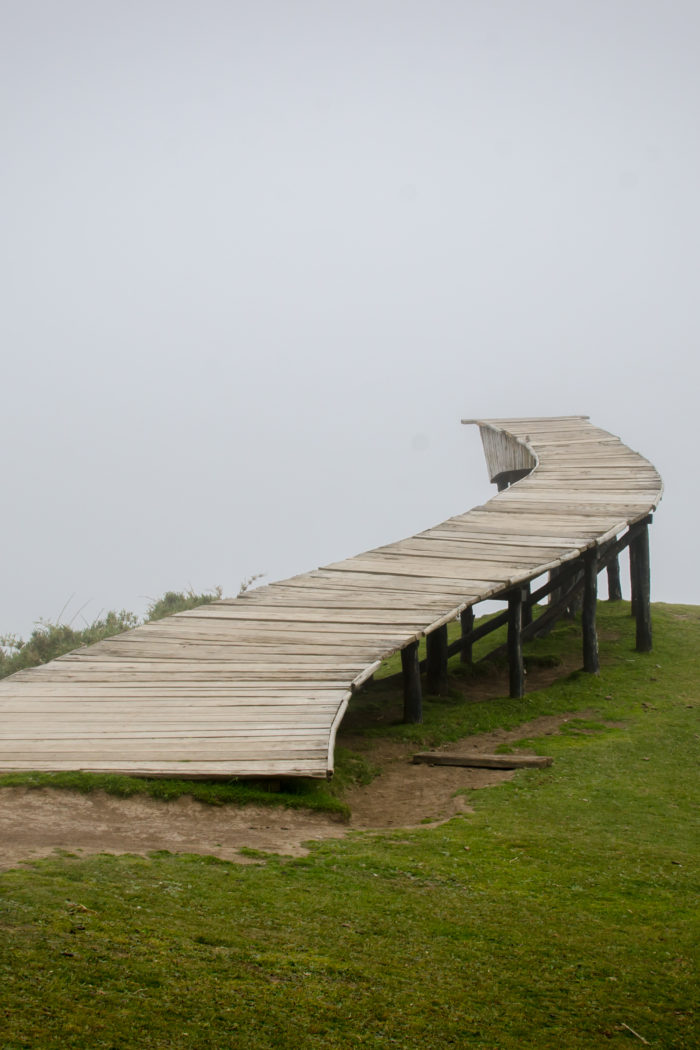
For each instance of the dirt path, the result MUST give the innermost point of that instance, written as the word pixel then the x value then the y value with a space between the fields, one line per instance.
pixel 35 822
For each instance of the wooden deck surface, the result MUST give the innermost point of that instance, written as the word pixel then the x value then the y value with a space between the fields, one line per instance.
pixel 258 685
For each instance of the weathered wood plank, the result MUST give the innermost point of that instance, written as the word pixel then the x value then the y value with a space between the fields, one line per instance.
pixel 478 760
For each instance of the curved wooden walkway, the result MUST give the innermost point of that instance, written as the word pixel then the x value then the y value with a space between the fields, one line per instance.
pixel 258 685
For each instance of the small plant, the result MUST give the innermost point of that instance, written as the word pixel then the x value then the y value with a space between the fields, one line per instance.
pixel 248 582
pixel 178 601
pixel 50 639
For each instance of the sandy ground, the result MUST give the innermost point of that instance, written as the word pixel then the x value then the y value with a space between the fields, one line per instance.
pixel 36 822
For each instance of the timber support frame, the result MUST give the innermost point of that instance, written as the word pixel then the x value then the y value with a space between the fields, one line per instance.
pixel 436 661
pixel 641 588
pixel 516 665
pixel 591 660
pixel 412 691
pixel 466 619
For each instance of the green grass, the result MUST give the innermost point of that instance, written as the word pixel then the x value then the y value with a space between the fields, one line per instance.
pixel 560 914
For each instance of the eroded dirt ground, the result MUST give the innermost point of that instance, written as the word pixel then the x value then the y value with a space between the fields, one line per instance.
pixel 36 822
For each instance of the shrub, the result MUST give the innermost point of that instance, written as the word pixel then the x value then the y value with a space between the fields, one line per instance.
pixel 49 640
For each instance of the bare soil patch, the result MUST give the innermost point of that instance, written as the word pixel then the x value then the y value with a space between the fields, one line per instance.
pixel 405 795
pixel 36 822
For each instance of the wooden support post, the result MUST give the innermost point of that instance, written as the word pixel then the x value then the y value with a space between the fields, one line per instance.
pixel 527 608
pixel 552 599
pixel 555 593
pixel 516 667
pixel 642 589
pixel 633 578
pixel 591 663
pixel 412 694
pixel 614 586
pixel 436 661
pixel 467 621
pixel 576 602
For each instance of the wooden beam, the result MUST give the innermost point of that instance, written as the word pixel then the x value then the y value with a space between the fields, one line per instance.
pixel 467 622
pixel 614 586
pixel 412 693
pixel 591 661
pixel 436 661
pixel 527 605
pixel 555 586
pixel 642 591
pixel 516 667
pixel 554 591
pixel 477 760
pixel 544 623
pixel 576 603
pixel 633 577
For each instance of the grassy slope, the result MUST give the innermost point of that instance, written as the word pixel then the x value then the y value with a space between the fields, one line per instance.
pixel 561 911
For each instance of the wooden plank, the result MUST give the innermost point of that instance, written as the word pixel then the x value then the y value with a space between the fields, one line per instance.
pixel 198 742
pixel 597 519
pixel 233 690
pixel 467 550
pixel 513 540
pixel 501 519
pixel 240 659
pixel 182 718
pixel 74 727
pixel 291 616
pixel 515 421
pixel 478 760
pixel 476 570
pixel 216 653
pixel 417 568
pixel 264 767
pixel 267 631
pixel 325 595
pixel 553 498
pixel 415 585
pixel 228 748
pixel 217 632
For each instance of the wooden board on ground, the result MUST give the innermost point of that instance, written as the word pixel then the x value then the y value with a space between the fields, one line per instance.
pixel 477 760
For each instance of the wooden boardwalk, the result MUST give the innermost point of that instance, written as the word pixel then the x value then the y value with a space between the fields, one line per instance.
pixel 258 685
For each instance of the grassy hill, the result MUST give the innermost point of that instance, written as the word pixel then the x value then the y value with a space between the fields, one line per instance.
pixel 561 912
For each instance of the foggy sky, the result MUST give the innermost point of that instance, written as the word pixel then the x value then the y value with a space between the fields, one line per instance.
pixel 259 258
